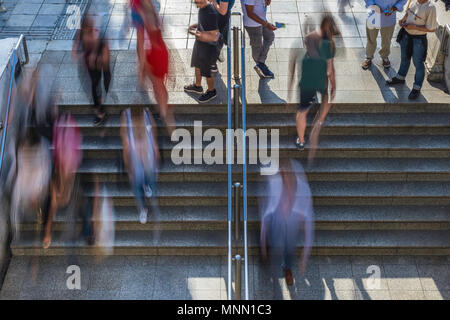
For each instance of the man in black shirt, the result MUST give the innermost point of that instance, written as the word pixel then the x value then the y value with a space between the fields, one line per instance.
pixel 204 54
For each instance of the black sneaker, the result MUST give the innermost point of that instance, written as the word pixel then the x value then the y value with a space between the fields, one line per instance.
pixel 300 145
pixel 192 88
pixel 208 96
pixel 414 94
pixel 214 68
pixel 394 80
pixel 98 121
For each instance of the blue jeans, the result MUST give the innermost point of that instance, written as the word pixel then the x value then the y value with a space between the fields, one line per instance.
pixel 140 179
pixel 418 57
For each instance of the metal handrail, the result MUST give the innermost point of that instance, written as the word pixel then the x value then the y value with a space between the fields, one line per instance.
pixel 229 159
pixel 244 154
pixel 240 84
pixel 4 125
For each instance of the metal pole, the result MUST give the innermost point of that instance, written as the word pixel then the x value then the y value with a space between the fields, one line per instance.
pixel 236 53
pixel 237 274
pixel 236 88
pixel 237 210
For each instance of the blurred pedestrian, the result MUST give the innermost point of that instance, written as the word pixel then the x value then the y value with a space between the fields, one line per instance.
pixel 2 8
pixel 224 10
pixel 419 20
pixel 96 57
pixel 260 32
pixel 287 213
pixel 317 72
pixel 156 62
pixel 103 221
pixel 66 159
pixel 140 156
pixel 381 19
pixel 204 54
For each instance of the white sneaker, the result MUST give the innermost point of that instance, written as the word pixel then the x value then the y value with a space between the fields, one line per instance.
pixel 147 191
pixel 2 9
pixel 143 216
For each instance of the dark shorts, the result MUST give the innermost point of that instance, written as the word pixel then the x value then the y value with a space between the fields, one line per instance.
pixel 204 56
pixel 308 97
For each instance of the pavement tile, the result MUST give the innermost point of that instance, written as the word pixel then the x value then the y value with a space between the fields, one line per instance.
pixel 20 20
pixel 407 295
pixel 433 295
pixel 373 295
pixel 45 20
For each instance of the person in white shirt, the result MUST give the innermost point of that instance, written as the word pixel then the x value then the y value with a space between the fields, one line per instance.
pixel 420 19
pixel 260 32
pixel 287 213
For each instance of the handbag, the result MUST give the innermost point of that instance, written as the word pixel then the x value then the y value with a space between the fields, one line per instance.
pixel 400 35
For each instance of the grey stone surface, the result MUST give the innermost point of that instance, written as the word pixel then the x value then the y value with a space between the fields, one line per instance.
pixel 201 279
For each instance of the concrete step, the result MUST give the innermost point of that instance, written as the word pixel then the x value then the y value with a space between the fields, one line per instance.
pixel 336 124
pixel 324 193
pixel 334 242
pixel 368 146
pixel 357 169
pixel 425 108
pixel 331 217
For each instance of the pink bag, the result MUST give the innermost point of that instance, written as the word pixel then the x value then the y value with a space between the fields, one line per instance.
pixel 66 144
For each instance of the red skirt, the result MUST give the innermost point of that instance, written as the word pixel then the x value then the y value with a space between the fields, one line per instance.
pixel 158 55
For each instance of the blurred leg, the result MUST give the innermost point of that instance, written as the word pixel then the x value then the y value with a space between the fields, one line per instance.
pixel 301 124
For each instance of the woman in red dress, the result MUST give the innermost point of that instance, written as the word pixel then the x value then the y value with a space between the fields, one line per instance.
pixel 154 61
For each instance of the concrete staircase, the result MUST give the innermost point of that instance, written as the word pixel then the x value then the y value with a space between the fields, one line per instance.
pixel 381 184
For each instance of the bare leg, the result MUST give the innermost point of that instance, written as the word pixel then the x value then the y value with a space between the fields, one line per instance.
pixel 141 54
pixel 210 82
pixel 162 98
pixel 301 125
pixel 317 126
pixel 198 77
pixel 48 226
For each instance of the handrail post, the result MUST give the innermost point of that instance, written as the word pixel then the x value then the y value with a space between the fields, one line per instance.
pixel 236 53
pixel 237 211
pixel 236 88
pixel 238 277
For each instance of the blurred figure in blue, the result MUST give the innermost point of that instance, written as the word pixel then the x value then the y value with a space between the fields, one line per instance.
pixel 140 156
pixel 287 212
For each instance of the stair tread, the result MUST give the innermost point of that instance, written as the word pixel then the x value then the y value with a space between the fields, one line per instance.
pixel 320 165
pixel 337 214
pixel 356 142
pixel 286 120
pixel 318 189
pixel 323 238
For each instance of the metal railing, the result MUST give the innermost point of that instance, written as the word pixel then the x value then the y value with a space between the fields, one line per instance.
pixel 238 92
pixel 15 60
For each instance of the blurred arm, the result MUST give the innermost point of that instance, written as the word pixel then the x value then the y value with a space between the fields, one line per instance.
pixel 221 7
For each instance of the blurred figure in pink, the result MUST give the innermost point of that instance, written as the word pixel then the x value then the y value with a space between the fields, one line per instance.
pixel 287 212
pixel 67 159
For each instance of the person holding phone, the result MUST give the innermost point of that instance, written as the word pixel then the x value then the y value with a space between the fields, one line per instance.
pixel 261 33
pixel 419 20
pixel 204 53
pixel 381 19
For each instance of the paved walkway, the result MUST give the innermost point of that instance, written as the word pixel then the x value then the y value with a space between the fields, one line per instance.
pixel 354 84
pixel 337 278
